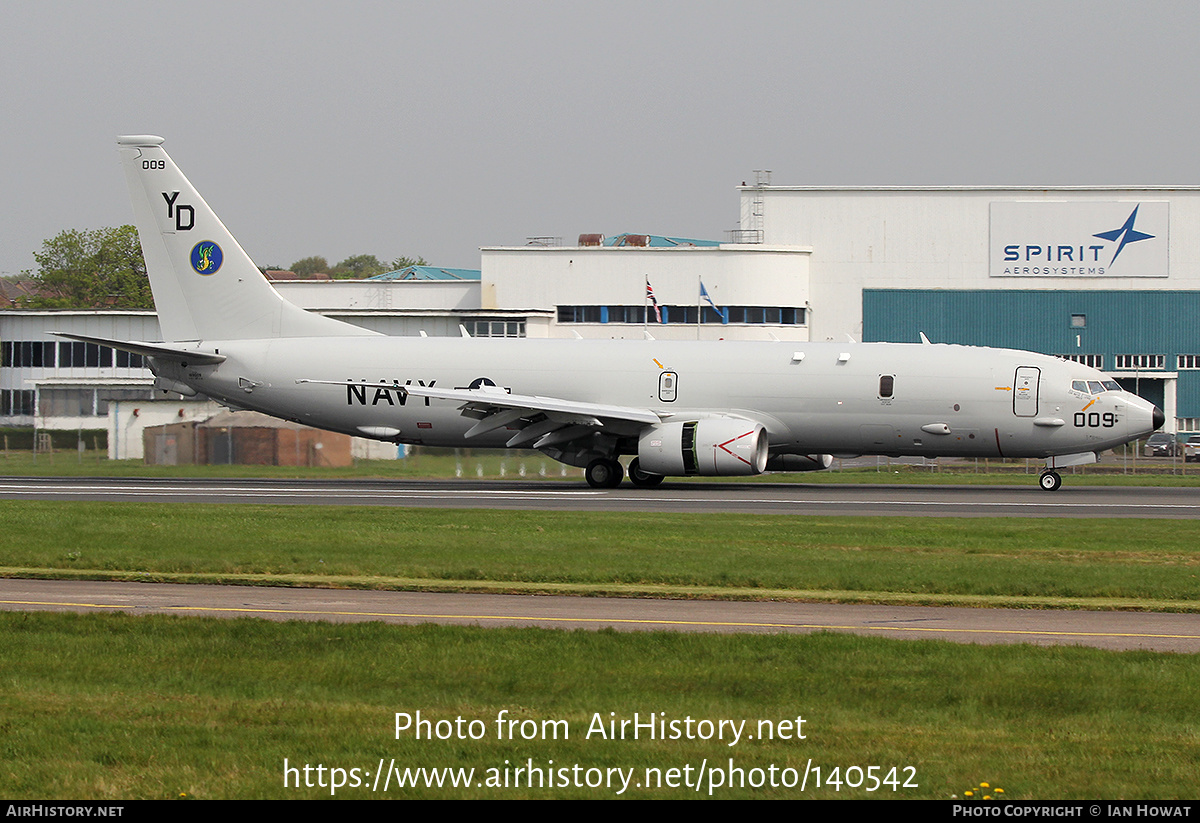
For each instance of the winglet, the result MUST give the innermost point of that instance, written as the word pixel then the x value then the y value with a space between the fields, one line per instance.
pixel 139 140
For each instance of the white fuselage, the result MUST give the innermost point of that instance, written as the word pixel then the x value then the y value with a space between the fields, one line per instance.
pixel 866 398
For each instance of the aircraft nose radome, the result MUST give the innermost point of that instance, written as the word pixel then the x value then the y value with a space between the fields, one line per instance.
pixel 1159 418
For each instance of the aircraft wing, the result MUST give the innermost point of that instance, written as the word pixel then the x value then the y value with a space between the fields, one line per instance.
pixel 161 350
pixel 541 421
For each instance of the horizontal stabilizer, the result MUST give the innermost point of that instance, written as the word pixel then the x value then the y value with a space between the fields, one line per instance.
pixel 159 350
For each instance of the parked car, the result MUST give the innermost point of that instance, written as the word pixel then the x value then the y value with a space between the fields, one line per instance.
pixel 1191 449
pixel 1161 444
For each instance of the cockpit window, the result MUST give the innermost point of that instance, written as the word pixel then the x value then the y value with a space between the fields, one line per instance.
pixel 1095 386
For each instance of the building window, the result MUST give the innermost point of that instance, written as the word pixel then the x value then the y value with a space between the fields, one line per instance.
pixel 627 314
pixel 16 403
pixel 1188 361
pixel 71 354
pixel 685 315
pixel 1139 362
pixel 128 360
pixel 46 354
pixel 84 355
pixel 1095 361
pixel 67 402
pixel 494 327
pixel 579 314
pixel 1079 321
pixel 26 354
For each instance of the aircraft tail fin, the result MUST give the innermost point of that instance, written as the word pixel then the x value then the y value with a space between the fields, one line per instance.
pixel 205 286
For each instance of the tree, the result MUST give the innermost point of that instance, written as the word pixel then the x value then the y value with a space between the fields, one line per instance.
pixel 405 262
pixel 357 267
pixel 100 268
pixel 310 266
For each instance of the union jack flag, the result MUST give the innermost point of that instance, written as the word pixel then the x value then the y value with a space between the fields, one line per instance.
pixel 653 302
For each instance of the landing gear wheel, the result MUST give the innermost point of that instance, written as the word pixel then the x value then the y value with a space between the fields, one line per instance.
pixel 1050 481
pixel 641 479
pixel 603 473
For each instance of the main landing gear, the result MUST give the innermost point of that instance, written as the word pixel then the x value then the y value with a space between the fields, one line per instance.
pixel 1050 481
pixel 604 473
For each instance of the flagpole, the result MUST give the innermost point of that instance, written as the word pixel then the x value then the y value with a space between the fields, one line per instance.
pixel 699 309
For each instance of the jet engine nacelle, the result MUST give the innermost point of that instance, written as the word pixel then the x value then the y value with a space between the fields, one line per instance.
pixel 712 446
pixel 799 462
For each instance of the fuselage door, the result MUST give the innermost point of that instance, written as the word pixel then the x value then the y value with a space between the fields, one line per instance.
pixel 667 386
pixel 1025 391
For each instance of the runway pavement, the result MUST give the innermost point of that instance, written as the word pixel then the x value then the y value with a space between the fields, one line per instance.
pixel 1018 500
pixel 1106 630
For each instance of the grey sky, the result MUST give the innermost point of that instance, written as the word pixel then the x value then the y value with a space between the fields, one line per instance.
pixel 434 128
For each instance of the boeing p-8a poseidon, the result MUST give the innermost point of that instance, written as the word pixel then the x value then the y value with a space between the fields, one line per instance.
pixel 678 408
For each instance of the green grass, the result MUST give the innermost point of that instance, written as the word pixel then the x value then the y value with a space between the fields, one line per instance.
pixel 1098 563
pixel 118 707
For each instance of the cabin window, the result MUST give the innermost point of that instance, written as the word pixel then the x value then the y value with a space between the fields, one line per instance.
pixel 887 384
